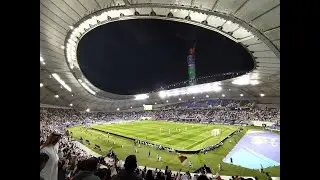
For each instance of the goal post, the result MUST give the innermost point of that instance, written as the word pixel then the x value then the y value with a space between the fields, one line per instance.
pixel 215 132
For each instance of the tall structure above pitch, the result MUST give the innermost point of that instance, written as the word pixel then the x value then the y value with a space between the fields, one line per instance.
pixel 191 58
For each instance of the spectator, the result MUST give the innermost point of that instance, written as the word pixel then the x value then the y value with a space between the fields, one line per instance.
pixel 88 168
pixel 103 174
pixel 149 175
pixel 61 170
pixel 202 177
pixel 50 147
pixel 160 176
pixel 129 170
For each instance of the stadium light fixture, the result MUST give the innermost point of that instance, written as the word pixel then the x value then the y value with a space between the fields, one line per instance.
pixel 262 95
pixel 207 96
pixel 254 82
pixel 41 84
pixel 193 97
pixel 241 95
pixel 71 104
pixel 56 96
pixel 118 109
pixel 88 110
pixel 246 79
pixel 167 101
pixel 162 94
pixel 42 60
pixel 223 95
pixel 179 99
pixel 141 97
pixel 201 88
pixel 57 77
pixel 155 103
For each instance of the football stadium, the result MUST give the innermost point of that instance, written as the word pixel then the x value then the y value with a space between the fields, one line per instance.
pixel 179 90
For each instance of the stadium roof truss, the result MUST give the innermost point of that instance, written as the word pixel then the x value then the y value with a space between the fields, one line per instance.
pixel 253 23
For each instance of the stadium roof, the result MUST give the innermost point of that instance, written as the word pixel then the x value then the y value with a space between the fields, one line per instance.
pixel 254 24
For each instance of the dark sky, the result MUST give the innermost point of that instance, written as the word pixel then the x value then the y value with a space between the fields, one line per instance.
pixel 129 57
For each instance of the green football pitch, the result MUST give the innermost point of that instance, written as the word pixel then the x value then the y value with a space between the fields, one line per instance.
pixel 189 137
pixel 180 136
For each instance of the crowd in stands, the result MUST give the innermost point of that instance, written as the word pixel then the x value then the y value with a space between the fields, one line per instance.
pixel 61 158
pixel 228 103
pixel 180 112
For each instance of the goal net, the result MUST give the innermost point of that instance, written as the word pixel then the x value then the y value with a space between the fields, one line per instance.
pixel 215 132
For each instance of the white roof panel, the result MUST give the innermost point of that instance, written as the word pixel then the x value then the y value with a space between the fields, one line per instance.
pixel 262 16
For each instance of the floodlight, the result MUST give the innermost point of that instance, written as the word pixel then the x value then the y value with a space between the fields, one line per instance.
pixel 141 97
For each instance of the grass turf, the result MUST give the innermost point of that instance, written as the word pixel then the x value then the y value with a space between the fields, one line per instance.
pixel 188 139
pixel 181 136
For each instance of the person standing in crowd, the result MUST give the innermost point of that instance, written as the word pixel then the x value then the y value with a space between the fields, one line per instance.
pixel 61 170
pixel 220 167
pixel 103 173
pixel 149 175
pixel 149 153
pixel 202 177
pixel 231 160
pixel 50 147
pixel 89 166
pixel 129 170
